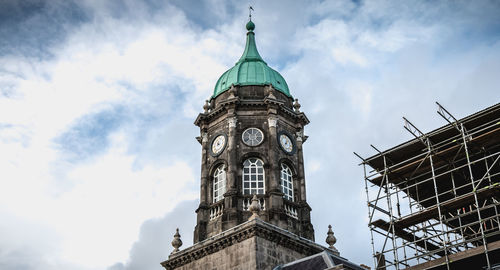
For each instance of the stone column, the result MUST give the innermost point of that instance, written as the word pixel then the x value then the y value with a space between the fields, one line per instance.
pixel 273 159
pixel 231 159
pixel 204 168
pixel 202 212
pixel 300 165
pixel 275 200
pixel 230 217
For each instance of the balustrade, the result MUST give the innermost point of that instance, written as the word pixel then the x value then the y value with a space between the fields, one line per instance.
pixel 216 211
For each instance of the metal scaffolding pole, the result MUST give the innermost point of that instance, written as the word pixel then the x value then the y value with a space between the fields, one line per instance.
pixel 442 203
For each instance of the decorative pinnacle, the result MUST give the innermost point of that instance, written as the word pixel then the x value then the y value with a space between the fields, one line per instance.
pixel 330 239
pixel 296 105
pixel 250 25
pixel 250 8
pixel 177 242
pixel 206 106
pixel 254 207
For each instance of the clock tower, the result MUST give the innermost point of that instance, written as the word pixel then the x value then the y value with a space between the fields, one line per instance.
pixel 253 212
pixel 252 134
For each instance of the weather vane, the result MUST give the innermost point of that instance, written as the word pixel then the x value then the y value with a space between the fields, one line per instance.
pixel 250 8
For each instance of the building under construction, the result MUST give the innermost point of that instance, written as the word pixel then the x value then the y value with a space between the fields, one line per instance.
pixel 434 201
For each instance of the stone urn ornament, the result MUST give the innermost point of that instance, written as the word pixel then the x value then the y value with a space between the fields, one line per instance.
pixel 331 240
pixel 177 242
pixel 254 207
pixel 296 106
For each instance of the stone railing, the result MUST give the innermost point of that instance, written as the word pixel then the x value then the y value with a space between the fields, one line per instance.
pixel 248 201
pixel 216 210
pixel 291 210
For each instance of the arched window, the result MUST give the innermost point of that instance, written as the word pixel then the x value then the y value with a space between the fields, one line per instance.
pixel 286 182
pixel 219 186
pixel 253 176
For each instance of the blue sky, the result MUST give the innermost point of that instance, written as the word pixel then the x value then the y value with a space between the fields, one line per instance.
pixel 98 161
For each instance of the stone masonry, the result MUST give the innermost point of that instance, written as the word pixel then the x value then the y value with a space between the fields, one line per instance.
pixel 254 244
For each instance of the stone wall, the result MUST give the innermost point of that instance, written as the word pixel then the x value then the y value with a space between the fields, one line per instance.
pixel 253 253
pixel 254 244
pixel 270 254
pixel 240 256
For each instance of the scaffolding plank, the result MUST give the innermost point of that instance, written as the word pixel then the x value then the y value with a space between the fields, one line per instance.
pixel 447 206
pixel 382 224
pixel 456 257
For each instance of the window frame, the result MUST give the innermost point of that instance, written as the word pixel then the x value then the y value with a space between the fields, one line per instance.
pixel 248 172
pixel 251 129
pixel 286 175
pixel 219 177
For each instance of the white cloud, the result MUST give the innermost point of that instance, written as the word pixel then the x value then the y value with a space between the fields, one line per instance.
pixel 96 207
pixel 112 200
pixel 361 95
pixel 345 55
pixel 355 68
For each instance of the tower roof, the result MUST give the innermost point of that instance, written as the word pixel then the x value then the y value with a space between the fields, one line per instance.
pixel 251 69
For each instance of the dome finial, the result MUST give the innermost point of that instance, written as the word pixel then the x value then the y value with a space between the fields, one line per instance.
pixel 250 25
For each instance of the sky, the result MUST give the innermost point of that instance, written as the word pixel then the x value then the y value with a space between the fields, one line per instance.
pixel 98 158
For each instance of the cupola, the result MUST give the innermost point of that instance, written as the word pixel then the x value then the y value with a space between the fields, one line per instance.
pixel 251 69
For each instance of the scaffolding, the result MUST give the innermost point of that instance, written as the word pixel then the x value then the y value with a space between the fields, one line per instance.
pixel 434 201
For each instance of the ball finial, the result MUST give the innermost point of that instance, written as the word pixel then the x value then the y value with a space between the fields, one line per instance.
pixel 250 26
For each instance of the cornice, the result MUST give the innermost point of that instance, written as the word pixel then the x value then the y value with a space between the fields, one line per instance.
pixel 237 234
pixel 203 117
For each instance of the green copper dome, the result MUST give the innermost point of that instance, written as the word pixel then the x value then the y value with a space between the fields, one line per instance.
pixel 251 70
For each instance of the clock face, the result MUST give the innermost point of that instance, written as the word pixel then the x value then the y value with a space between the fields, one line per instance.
pixel 252 136
pixel 218 144
pixel 286 143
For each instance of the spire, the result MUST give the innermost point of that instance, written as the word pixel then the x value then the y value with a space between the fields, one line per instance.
pixel 251 53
